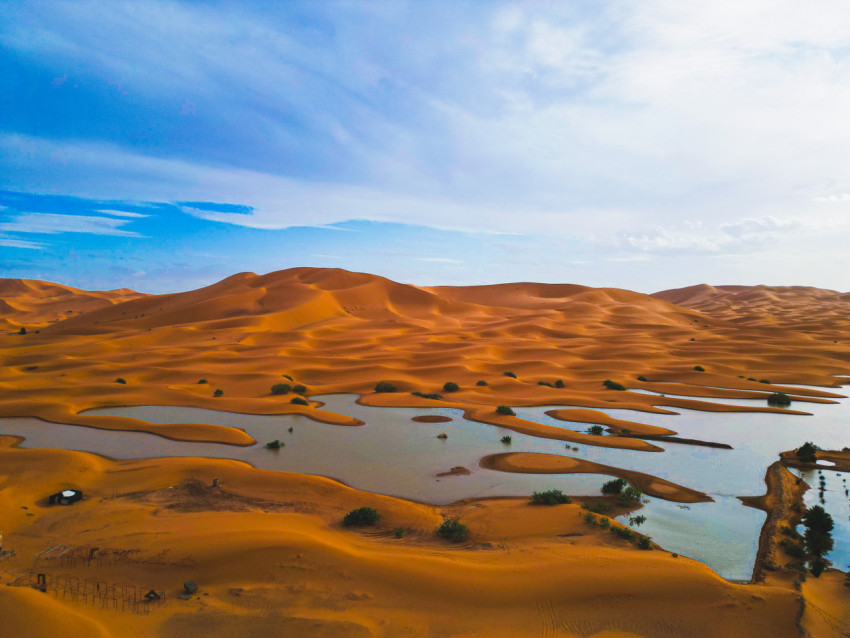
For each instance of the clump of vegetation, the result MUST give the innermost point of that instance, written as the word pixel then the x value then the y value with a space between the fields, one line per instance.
pixel 630 496
pixel 22 331
pixel 202 381
pixel 286 376
pixel 299 389
pixel 505 410
pixel 614 487
pixel 641 378
pixel 361 517
pixel 424 395
pixel 482 382
pixel 509 374
pixel 613 385
pixel 546 383
pixel 637 521
pixel 281 388
pixel 699 368
pixel 806 453
pixel 453 530
pixel 450 386
pixel 624 533
pixel 218 393
pixel 299 401
pixel 818 565
pixel 559 383
pixel 590 519
pixel 506 440
pixel 644 542
pixel 692 339
pixel 275 445
pixel 121 381
pixel 818 535
pixel 596 430
pixel 764 381
pixel 550 497
pixel 385 386
pixel 778 399
pixel 596 508
pixel 794 550
pixel 399 532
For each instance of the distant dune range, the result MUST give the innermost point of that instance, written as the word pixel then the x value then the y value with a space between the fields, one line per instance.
pixel 268 548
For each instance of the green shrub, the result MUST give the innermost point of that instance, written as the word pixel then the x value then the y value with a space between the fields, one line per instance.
pixel 361 517
pixel 453 530
pixel 275 445
pixel 623 532
pixel 818 565
pixel 699 368
pixel 505 410
pixel 596 430
pixel 779 399
pixel 286 376
pixel 550 497
pixel 636 521
pixel 482 382
pixel 121 381
pixel 559 383
pixel 202 381
pixel 546 383
pixel 218 393
pixel 590 519
pixel 385 386
pixel 644 543
pixel 806 452
pixel 641 378
pixel 433 395
pixel 613 487
pixel 793 549
pixel 299 389
pixel 281 388
pixel 506 440
pixel 399 532
pixel 299 401
pixel 509 374
pixel 604 522
pixel 22 331
pixel 450 386
pixel 596 508
pixel 630 496
pixel 764 381
pixel 750 379
pixel 613 385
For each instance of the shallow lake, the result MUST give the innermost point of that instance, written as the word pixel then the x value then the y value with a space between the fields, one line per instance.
pixel 393 455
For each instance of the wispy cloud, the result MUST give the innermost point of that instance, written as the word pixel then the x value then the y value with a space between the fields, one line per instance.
pixel 52 224
pixel 19 243
pixel 440 260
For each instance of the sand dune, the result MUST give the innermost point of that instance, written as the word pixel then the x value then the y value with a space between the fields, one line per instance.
pixel 293 569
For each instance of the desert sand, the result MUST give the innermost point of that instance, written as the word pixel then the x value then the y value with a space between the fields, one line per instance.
pixel 268 548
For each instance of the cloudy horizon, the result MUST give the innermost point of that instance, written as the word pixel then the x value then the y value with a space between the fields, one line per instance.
pixel 643 145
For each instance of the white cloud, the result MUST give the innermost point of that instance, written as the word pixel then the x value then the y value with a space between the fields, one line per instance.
pixel 52 224
pixel 440 260
pixel 19 243
pixel 843 197
pixel 121 213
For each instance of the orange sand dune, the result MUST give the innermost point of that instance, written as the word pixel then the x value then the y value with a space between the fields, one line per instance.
pixel 270 558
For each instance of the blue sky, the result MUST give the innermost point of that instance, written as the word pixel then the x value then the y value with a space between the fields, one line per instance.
pixel 645 145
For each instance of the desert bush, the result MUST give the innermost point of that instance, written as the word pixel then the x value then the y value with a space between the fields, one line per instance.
pixel 22 331
pixel 644 543
pixel 506 440
pixel 299 388
pixel 218 393
pixel 699 368
pixel 482 382
pixel 636 521
pixel 792 549
pixel 505 410
pixel 590 519
pixel 281 388
pixel 613 385
pixel 424 395
pixel 202 381
pixel 806 452
pixel 450 386
pixel 779 399
pixel 641 378
pixel 630 496
pixel 596 508
pixel 361 517
pixel 275 445
pixel 286 376
pixel 121 381
pixel 399 532
pixel 509 374
pixel 546 383
pixel 453 530
pixel 764 381
pixel 604 522
pixel 614 487
pixel 550 497
pixel 596 430
pixel 817 566
pixel 559 383
pixel 299 401
pixel 623 532
pixel 385 386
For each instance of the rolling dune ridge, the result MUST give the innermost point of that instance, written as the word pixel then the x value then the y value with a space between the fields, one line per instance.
pixel 268 547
